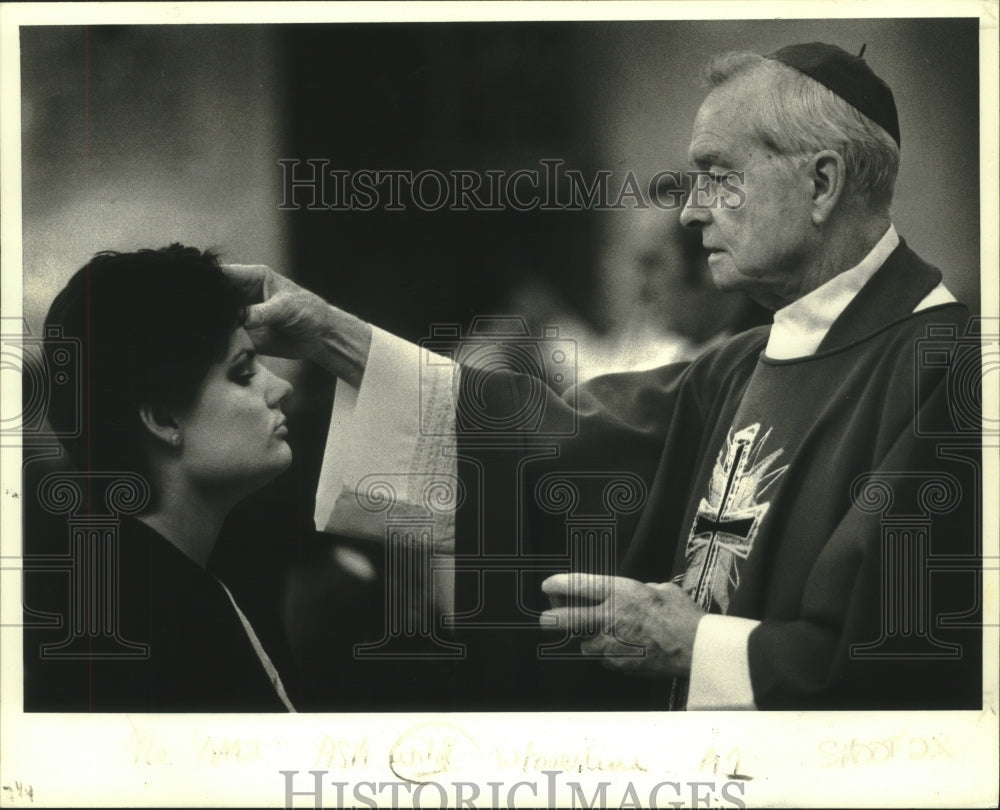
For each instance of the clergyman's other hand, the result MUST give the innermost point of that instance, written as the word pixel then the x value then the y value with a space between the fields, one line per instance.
pixel 644 628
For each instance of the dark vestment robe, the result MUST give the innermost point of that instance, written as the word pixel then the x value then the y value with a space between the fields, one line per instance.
pixel 834 497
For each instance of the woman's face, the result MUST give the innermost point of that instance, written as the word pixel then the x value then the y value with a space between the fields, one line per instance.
pixel 233 437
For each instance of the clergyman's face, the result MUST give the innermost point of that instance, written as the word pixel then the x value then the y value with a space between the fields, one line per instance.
pixel 234 434
pixel 760 244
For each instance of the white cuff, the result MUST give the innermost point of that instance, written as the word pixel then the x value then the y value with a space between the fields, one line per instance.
pixel 720 664
pixel 390 447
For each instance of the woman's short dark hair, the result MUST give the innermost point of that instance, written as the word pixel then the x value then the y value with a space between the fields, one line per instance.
pixel 150 324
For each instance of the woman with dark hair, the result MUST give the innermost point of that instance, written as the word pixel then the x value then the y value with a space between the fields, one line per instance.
pixel 171 391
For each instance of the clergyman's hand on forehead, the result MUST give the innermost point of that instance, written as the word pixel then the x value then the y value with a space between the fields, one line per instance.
pixel 258 282
pixel 286 320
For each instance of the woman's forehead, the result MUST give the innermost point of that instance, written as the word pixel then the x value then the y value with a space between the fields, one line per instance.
pixel 239 344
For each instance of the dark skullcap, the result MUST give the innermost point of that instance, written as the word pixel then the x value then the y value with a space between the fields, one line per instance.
pixel 848 77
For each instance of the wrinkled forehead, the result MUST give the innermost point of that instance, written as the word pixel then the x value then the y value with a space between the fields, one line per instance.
pixel 721 126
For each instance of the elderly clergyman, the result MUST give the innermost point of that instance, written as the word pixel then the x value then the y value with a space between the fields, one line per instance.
pixel 793 505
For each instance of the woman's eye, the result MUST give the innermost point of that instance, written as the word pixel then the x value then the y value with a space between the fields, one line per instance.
pixel 244 375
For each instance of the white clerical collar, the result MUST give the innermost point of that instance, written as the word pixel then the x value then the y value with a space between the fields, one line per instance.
pixel 800 327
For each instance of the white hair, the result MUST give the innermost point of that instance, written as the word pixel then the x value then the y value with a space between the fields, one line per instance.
pixel 800 115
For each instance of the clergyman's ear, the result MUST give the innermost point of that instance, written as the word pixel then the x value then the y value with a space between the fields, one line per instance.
pixel 829 183
pixel 160 423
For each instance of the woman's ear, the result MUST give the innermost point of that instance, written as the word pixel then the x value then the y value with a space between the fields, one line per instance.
pixel 160 424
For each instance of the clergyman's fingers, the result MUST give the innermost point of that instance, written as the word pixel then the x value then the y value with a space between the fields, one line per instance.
pixel 589 620
pixel 592 587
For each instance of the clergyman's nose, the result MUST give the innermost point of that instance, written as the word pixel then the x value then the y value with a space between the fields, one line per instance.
pixel 693 214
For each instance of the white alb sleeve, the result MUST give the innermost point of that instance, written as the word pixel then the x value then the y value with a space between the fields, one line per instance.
pixel 390 450
pixel 720 664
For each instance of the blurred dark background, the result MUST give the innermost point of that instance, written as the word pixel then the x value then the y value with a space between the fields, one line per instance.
pixel 140 136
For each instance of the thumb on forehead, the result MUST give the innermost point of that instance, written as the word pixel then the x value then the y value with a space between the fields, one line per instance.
pixel 249 278
pixel 261 315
